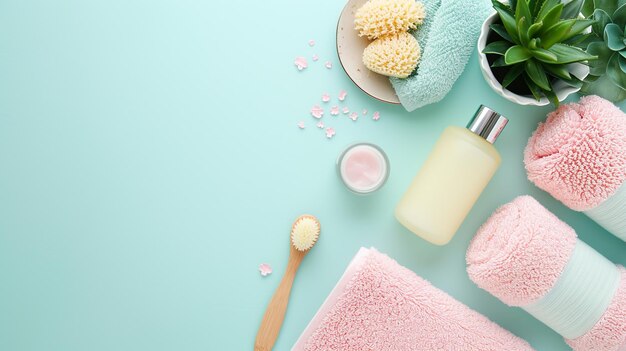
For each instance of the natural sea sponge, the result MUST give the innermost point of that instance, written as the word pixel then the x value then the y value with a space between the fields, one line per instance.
pixel 378 18
pixel 394 55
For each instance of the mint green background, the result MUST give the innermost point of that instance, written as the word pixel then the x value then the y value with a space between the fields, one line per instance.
pixel 150 161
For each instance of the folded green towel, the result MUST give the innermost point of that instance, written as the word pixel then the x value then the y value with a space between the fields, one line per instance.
pixel 447 37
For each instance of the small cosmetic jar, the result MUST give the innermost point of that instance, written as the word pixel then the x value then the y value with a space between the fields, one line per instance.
pixel 363 168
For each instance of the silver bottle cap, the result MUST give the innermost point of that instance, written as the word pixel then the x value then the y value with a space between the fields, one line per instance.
pixel 487 123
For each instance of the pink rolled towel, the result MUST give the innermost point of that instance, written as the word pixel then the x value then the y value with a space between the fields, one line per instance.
pixel 525 256
pixel 579 156
pixel 379 305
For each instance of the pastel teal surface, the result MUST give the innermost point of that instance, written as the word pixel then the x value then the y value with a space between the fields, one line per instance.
pixel 150 161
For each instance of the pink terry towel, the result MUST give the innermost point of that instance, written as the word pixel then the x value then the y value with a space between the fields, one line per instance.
pixel 379 305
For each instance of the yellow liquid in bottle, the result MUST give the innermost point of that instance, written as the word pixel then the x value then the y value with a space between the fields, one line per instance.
pixel 452 178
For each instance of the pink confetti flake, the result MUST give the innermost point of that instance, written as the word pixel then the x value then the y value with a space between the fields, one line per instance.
pixel 325 97
pixel 320 125
pixel 342 95
pixel 376 116
pixel 328 64
pixel 330 132
pixel 317 111
pixel 315 57
pixel 301 63
pixel 301 125
pixel 311 42
pixel 345 110
pixel 364 112
pixel 354 116
pixel 265 269
pixel 334 111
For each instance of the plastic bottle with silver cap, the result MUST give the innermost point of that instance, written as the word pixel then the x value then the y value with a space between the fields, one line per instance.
pixel 452 177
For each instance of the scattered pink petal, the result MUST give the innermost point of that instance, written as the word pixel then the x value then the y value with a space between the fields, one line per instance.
pixel 320 124
pixel 330 132
pixel 315 57
pixel 328 64
pixel 301 63
pixel 311 42
pixel 364 112
pixel 376 116
pixel 345 110
pixel 265 269
pixel 334 111
pixel 353 116
pixel 342 95
pixel 301 125
pixel 325 97
pixel 317 111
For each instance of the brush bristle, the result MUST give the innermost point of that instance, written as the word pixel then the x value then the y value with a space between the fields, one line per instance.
pixel 305 232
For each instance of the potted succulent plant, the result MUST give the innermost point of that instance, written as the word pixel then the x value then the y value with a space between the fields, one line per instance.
pixel 527 50
pixel 607 75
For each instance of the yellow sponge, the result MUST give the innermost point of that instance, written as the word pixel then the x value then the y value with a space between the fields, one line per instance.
pixel 377 18
pixel 394 55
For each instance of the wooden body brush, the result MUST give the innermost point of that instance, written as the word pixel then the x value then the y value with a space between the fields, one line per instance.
pixel 304 234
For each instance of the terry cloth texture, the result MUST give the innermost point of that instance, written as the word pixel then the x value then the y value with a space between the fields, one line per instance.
pixel 519 256
pixel 380 305
pixel 447 38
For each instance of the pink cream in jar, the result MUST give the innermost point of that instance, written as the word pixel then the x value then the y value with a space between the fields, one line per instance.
pixel 363 168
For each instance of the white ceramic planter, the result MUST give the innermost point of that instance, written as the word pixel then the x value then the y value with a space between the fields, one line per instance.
pixel 562 90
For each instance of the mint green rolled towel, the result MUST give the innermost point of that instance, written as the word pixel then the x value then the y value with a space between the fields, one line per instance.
pixel 448 38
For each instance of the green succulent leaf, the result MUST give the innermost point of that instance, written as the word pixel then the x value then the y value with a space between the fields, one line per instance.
pixel 559 71
pixel 552 97
pixel 579 26
pixel 614 37
pixel 497 47
pixel 603 86
pixel 609 6
pixel 556 33
pixel 614 72
pixel 544 55
pixel 619 16
pixel 570 54
pixel 501 31
pixel 623 53
pixel 516 54
pixel 581 40
pixel 545 6
pixel 534 28
pixel 573 82
pixel 572 9
pixel 622 63
pixel 499 62
pixel 601 19
pixel 512 74
pixel 536 73
pixel 523 28
pixel 523 11
pixel 534 6
pixel 534 89
pixel 509 24
pixel 587 9
pixel 497 4
pixel 552 17
pixel 598 67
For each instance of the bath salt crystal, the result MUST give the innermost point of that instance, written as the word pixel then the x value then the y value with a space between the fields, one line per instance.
pixel 342 95
pixel 301 63
pixel 334 111
pixel 376 116
pixel 364 112
pixel 328 64
pixel 315 57
pixel 317 111
pixel 265 269
pixel 301 125
pixel 354 116
pixel 330 132
pixel 345 110
pixel 325 97
pixel 320 125
pixel 311 42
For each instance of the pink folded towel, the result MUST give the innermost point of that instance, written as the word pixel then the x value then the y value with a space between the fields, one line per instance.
pixel 525 256
pixel 379 305
pixel 579 156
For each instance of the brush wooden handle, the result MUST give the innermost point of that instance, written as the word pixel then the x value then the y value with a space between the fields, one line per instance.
pixel 275 312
